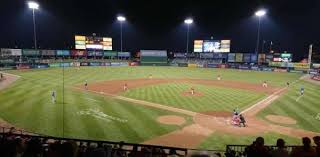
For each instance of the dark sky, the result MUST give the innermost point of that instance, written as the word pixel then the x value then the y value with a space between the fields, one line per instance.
pixel 291 24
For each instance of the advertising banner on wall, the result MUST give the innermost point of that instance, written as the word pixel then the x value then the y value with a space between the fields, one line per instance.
pixel 239 57
pixel 10 52
pixel 84 64
pixel 115 64
pixel 301 66
pixel 213 65
pixel 154 53
pixel 247 57
pixel 192 65
pixel 63 53
pixel 91 53
pixel 99 53
pixel 206 55
pixel 47 52
pixel 78 53
pixel 254 58
pixel 110 54
pixel 179 55
pixel 231 57
pixel 123 54
pixel 30 52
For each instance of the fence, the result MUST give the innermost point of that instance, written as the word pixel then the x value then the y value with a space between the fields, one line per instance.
pixel 240 150
pixel 154 150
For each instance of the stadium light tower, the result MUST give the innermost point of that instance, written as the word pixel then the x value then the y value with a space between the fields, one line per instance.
pixel 260 13
pixel 34 6
pixel 121 19
pixel 188 22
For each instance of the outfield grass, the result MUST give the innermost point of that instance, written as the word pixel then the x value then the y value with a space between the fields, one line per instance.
pixel 27 103
pixel 213 99
pixel 305 110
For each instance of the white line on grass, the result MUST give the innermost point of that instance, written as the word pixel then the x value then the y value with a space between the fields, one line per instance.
pixel 299 98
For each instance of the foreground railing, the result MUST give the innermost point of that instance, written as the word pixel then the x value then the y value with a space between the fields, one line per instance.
pixel 111 146
pixel 240 150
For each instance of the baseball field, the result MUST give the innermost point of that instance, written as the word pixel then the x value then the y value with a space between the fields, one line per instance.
pixel 158 107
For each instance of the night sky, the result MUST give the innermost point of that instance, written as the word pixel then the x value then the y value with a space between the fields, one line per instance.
pixel 291 24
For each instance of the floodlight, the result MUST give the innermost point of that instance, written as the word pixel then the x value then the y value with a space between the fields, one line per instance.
pixel 261 13
pixel 121 18
pixel 188 21
pixel 33 5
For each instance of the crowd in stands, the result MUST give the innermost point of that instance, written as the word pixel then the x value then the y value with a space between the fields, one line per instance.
pixel 18 145
pixel 258 149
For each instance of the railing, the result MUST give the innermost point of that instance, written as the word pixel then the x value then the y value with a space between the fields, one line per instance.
pixel 239 150
pixel 126 147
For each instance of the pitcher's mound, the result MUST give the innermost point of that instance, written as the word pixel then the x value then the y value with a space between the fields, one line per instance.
pixel 281 119
pixel 188 93
pixel 171 120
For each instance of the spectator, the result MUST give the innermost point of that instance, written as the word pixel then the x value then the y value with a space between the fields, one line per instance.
pixel 305 151
pixel 99 151
pixel 173 153
pixel 258 149
pixel 316 140
pixel 281 150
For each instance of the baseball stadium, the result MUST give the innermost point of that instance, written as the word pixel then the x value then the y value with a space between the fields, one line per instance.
pixel 212 99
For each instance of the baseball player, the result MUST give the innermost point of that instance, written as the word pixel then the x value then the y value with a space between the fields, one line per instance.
pixel 150 76
pixel 288 84
pixel 265 85
pixel 301 90
pixel 125 87
pixel 219 78
pixel 53 97
pixel 192 91
pixel 86 85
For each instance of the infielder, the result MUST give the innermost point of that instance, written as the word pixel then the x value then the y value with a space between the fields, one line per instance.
pixel 125 87
pixel 219 78
pixel 86 85
pixel 265 85
pixel 192 91
pixel 150 76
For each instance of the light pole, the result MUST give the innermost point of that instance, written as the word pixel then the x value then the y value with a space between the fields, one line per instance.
pixel 34 6
pixel 188 21
pixel 121 19
pixel 260 13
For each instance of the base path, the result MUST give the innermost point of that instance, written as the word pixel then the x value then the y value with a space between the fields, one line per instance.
pixel 7 80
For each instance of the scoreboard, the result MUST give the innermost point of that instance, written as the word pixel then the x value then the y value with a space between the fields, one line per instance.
pixel 93 43
pixel 215 46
